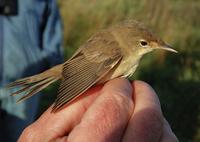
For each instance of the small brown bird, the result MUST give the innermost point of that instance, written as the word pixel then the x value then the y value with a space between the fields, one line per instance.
pixel 114 52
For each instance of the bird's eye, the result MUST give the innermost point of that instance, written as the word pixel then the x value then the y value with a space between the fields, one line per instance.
pixel 143 43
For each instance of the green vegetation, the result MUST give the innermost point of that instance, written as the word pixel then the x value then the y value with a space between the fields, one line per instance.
pixel 176 77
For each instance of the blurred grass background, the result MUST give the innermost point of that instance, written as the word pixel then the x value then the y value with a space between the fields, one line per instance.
pixel 175 77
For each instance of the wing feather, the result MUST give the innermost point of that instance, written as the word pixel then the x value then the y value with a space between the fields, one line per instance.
pixel 88 65
pixel 78 78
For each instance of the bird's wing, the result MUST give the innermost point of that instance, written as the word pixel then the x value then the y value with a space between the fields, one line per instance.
pixel 93 62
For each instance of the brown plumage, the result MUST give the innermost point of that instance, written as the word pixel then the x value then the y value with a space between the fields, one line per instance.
pixel 110 53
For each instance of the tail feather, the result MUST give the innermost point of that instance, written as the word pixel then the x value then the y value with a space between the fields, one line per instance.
pixel 33 84
pixel 35 89
pixel 18 83
pixel 28 87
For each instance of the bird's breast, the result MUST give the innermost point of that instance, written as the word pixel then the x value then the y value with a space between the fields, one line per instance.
pixel 124 69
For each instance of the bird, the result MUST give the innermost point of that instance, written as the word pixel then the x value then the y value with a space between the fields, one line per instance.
pixel 110 53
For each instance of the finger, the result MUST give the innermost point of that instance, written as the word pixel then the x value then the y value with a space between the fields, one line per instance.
pixel 59 139
pixel 52 125
pixel 107 117
pixel 168 135
pixel 146 121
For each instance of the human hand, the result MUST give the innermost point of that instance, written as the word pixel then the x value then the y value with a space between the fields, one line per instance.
pixel 116 112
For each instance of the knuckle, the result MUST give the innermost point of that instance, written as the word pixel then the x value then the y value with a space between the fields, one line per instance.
pixel 28 133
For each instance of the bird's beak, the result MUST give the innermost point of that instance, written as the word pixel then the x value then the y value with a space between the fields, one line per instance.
pixel 168 48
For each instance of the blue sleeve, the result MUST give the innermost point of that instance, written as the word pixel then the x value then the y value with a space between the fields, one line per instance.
pixel 52 35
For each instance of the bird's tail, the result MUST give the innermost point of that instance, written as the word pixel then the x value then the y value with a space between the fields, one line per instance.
pixel 33 84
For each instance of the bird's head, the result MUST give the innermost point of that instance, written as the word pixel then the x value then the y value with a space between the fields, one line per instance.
pixel 139 38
